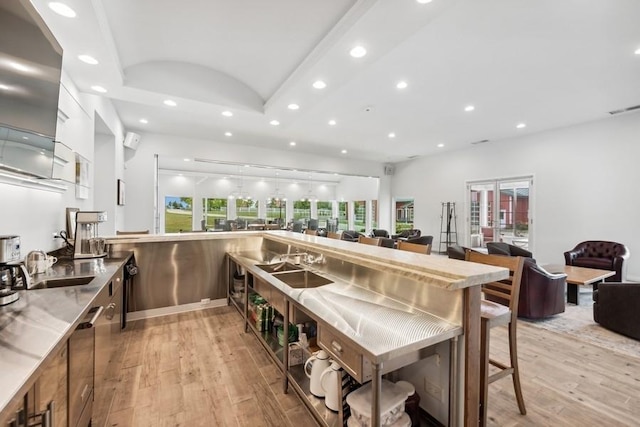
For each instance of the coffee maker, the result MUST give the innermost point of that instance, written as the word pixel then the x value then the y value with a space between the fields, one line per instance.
pixel 13 274
pixel 87 242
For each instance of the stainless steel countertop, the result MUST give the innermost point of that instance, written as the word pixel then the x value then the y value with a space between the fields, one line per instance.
pixel 383 327
pixel 34 326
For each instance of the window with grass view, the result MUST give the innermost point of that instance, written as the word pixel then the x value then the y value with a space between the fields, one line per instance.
pixel 343 216
pixel 404 215
pixel 214 211
pixel 277 211
pixel 374 214
pixel 360 216
pixel 178 214
pixel 325 210
pixel 301 209
pixel 247 209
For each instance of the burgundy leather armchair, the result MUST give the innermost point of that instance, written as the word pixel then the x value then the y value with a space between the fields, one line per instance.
pixel 602 255
pixel 615 307
pixel 541 292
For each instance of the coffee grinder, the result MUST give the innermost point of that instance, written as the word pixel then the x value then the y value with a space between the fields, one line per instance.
pixel 87 242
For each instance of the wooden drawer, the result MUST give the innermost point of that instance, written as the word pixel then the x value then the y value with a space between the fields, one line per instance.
pixel 347 355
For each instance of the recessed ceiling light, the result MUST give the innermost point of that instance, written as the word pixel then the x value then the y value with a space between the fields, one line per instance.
pixel 424 1
pixel 293 107
pixel 62 9
pixel 469 108
pixel 4 87
pixel 25 137
pixel 88 59
pixel 274 123
pixel 637 52
pixel 358 52
pixel 170 102
pixel 227 113
pixel 332 122
pixel 440 145
pixel 392 135
pixel 319 84
pixel 187 160
pixel 292 143
pixel 344 151
pixel 228 134
pixel 521 125
pixel 246 166
pixel 402 85
pixel 144 121
pixel 99 89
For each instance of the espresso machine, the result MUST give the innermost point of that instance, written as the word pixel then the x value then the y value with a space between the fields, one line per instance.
pixel 13 274
pixel 88 244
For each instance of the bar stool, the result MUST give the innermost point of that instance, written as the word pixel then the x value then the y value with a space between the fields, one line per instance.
pixel 499 307
pixel 311 232
pixel 414 247
pixel 369 240
pixel 332 235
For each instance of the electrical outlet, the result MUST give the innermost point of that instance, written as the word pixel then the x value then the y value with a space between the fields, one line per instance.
pixel 205 300
pixel 55 235
pixel 432 389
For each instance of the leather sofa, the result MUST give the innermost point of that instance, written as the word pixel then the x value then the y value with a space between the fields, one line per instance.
pixel 542 294
pixel 615 307
pixel 501 248
pixel 378 232
pixel 602 255
pixel 407 234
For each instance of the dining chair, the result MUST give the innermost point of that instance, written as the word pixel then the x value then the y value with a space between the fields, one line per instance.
pixel 499 307
pixel 414 247
pixel 369 240
pixel 311 232
pixel 332 235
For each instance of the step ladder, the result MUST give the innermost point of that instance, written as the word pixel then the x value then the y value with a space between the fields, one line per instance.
pixel 448 228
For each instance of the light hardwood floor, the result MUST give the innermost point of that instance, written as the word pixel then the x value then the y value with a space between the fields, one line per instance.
pixel 201 369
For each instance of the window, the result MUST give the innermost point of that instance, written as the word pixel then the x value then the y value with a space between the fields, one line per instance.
pixel 214 212
pixel 277 211
pixel 325 211
pixel 343 216
pixel 246 209
pixel 374 214
pixel 360 216
pixel 178 214
pixel 404 214
pixel 301 210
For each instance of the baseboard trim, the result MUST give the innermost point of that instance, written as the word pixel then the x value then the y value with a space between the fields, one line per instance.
pixel 183 308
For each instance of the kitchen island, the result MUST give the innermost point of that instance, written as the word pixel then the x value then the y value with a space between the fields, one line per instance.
pixel 435 286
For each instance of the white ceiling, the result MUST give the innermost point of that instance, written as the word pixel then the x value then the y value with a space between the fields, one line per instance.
pixel 546 63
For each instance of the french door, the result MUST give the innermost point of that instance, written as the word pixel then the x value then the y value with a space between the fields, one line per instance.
pixel 500 210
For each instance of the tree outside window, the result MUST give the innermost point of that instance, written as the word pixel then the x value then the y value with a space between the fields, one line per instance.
pixel 325 210
pixel 301 210
pixel 178 214
pixel 214 211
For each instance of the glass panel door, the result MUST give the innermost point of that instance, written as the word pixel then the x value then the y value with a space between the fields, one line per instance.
pixel 499 211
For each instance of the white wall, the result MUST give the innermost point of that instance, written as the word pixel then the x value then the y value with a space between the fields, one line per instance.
pixel 585 180
pixel 139 172
pixel 35 214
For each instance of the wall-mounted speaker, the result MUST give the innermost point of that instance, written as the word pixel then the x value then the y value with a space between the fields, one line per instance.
pixel 389 169
pixel 131 140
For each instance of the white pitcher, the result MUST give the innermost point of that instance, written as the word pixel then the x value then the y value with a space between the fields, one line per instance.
pixel 331 380
pixel 313 367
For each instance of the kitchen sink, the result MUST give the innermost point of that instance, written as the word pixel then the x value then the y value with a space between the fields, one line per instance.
pixel 63 282
pixel 279 267
pixel 301 279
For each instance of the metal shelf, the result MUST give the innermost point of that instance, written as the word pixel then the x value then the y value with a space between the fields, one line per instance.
pixel 300 382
